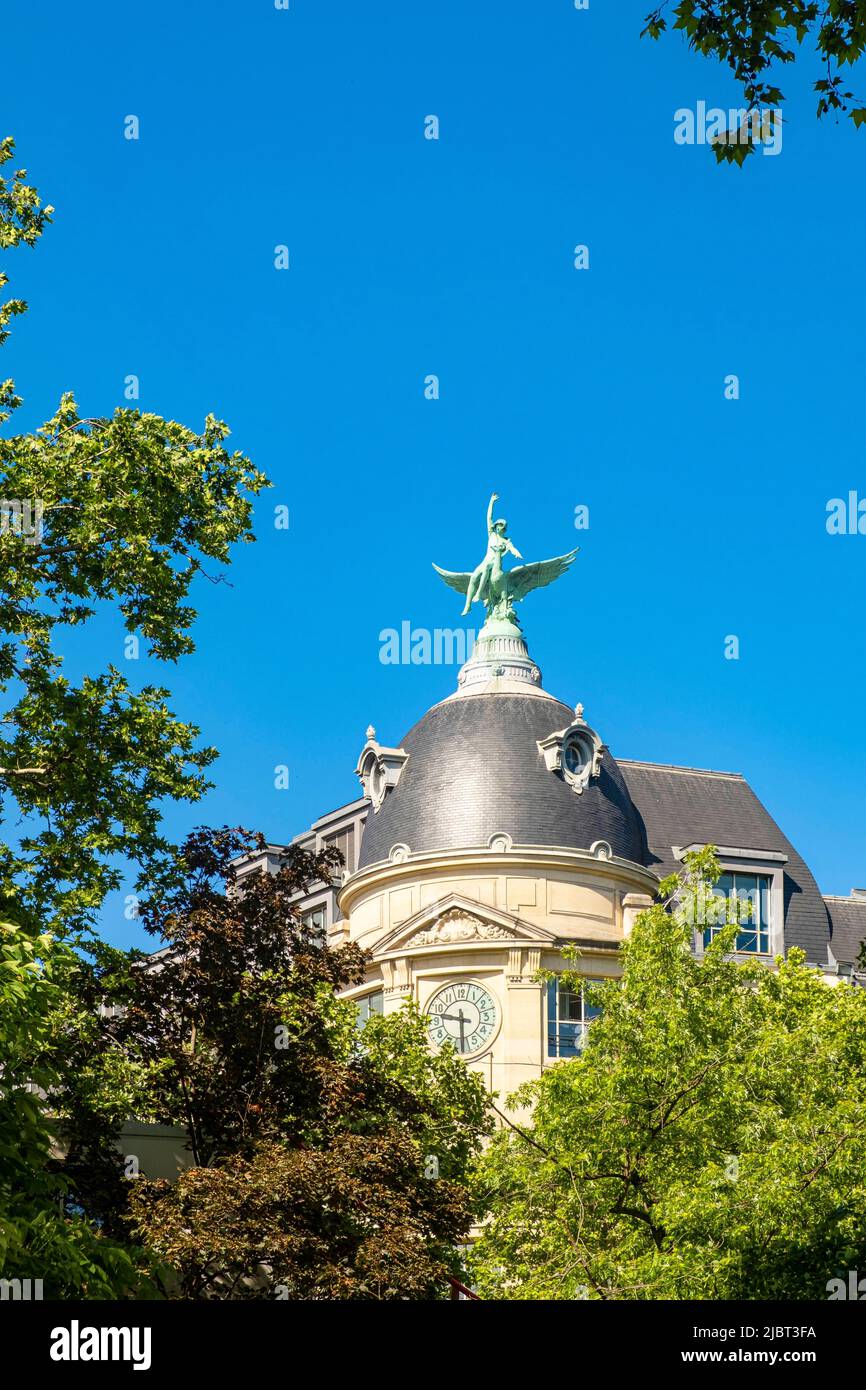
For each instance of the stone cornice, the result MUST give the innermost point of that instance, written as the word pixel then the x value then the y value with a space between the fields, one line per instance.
pixel 519 859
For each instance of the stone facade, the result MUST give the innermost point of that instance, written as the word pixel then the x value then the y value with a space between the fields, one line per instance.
pixel 495 917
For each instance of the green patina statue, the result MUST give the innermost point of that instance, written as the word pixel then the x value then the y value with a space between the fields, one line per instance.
pixel 500 589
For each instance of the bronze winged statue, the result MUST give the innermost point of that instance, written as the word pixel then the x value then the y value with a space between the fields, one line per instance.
pixel 500 589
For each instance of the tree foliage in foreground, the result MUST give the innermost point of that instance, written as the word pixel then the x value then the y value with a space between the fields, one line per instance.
pixel 750 36
pixel 97 516
pixel 709 1142
pixel 325 1165
pixel 120 513
pixel 43 1236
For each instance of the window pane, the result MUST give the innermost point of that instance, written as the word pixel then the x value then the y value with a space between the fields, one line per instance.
pixel 570 1009
pixel 369 1004
pixel 749 907
pixel 552 987
pixel 570 1039
pixel 567 1019
pixel 718 910
pixel 765 889
pixel 746 888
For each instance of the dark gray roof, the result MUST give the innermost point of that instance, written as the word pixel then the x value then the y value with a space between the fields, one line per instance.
pixel 474 768
pixel 684 806
pixel 847 927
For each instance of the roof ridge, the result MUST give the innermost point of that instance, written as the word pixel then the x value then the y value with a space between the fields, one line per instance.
pixel 675 767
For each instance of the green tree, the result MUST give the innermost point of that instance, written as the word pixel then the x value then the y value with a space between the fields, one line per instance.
pixel 125 513
pixel 40 1237
pixel 708 1143
pixel 751 36
pixel 119 514
pixel 326 1164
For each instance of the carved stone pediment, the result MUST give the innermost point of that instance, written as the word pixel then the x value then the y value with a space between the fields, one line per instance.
pixel 454 921
pixel 459 925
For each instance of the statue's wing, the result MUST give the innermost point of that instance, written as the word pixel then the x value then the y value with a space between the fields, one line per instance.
pixel 522 580
pixel 460 582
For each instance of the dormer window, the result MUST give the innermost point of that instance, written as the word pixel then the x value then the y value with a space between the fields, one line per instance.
pixel 575 753
pixel 379 769
pixel 749 892
pixel 745 899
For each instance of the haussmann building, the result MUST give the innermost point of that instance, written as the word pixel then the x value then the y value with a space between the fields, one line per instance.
pixel 501 828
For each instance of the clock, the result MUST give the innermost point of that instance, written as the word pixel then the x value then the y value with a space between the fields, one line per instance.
pixel 465 1015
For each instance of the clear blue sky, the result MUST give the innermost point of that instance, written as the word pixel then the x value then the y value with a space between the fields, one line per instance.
pixel 261 127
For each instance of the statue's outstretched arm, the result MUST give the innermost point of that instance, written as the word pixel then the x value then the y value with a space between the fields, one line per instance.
pixel 494 498
pixel 513 548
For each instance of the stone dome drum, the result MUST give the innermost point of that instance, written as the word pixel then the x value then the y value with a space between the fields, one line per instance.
pixel 474 769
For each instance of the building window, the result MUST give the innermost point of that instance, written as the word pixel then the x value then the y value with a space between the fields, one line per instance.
pixel 316 919
pixel 344 841
pixel 746 899
pixel 574 755
pixel 568 1018
pixel 368 1005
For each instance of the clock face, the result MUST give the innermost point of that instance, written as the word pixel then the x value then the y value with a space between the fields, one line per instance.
pixel 465 1015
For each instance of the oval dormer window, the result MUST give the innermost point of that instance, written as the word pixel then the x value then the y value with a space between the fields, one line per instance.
pixel 377 783
pixel 575 755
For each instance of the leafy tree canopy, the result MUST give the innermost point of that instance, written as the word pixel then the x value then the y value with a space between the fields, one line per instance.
pixel 121 512
pixel 707 1144
pixel 40 1237
pixel 751 36
pixel 325 1165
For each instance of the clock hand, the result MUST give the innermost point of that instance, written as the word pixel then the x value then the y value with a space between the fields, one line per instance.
pixel 461 1020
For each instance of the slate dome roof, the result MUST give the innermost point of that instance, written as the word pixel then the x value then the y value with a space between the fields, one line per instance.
pixel 475 769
